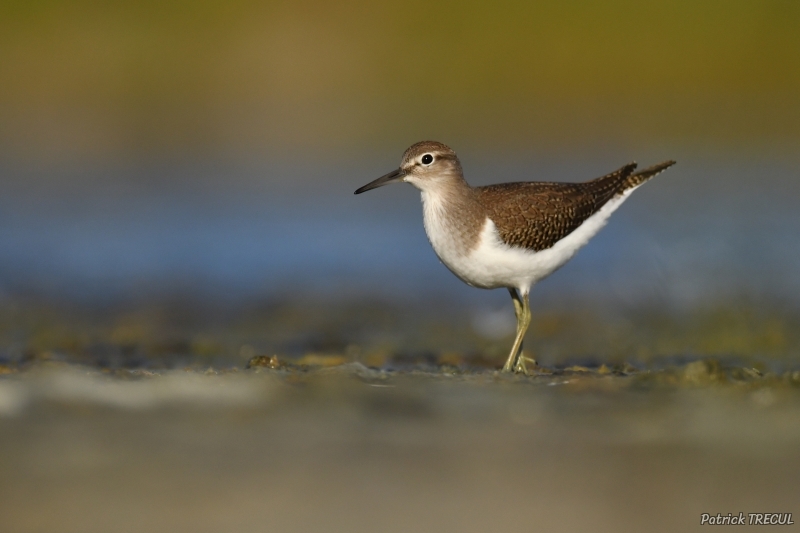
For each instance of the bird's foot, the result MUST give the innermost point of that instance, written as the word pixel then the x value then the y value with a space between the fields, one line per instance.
pixel 521 368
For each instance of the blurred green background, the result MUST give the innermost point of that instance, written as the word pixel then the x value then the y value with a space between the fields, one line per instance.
pixel 87 80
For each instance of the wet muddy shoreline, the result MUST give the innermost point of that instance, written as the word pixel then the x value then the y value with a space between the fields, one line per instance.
pixel 348 447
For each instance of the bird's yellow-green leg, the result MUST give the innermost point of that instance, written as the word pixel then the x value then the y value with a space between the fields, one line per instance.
pixel 519 366
pixel 516 361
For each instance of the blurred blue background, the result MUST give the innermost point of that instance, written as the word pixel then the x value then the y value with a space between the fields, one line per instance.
pixel 207 152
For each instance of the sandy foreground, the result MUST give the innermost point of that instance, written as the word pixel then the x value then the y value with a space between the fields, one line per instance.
pixel 349 448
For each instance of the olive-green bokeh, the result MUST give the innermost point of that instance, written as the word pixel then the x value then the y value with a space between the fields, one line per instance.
pixel 88 79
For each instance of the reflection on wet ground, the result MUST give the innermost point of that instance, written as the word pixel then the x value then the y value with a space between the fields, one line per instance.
pixel 336 446
pixel 361 416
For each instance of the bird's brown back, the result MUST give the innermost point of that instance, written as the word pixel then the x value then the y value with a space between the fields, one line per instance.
pixel 536 215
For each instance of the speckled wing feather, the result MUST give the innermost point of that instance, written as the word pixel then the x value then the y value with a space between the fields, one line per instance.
pixel 634 180
pixel 536 215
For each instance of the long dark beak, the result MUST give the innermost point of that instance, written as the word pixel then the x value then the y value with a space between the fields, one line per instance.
pixel 392 177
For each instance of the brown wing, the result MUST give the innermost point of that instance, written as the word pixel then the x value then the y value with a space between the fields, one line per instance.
pixel 536 215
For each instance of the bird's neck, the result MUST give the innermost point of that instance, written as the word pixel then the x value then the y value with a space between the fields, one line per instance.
pixel 453 216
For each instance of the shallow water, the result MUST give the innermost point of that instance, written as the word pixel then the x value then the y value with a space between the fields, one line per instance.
pixel 705 229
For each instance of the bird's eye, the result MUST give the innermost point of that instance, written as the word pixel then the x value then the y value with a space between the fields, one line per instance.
pixel 427 159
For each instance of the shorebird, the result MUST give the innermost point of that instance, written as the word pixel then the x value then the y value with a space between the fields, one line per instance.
pixel 508 235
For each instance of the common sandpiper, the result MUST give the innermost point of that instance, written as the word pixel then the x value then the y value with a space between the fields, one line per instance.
pixel 509 235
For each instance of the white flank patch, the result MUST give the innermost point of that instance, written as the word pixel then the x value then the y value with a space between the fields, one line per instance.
pixel 494 264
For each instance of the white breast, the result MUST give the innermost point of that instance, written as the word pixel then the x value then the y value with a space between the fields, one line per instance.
pixel 493 264
pixel 453 251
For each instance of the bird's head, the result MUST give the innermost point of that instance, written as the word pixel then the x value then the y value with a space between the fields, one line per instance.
pixel 425 165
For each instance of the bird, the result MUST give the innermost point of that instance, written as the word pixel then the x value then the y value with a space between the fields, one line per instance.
pixel 508 235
